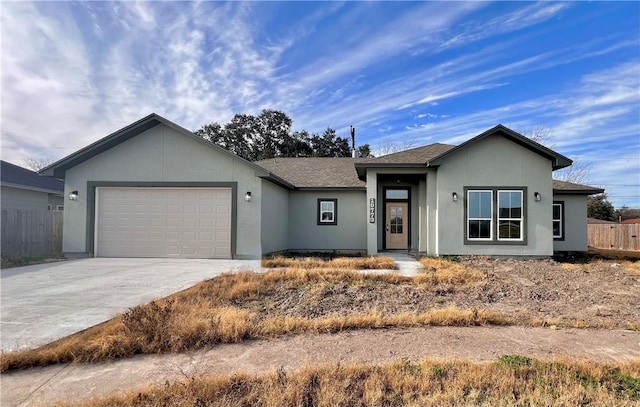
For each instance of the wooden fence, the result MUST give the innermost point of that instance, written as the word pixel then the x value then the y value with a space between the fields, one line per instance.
pixel 614 236
pixel 31 233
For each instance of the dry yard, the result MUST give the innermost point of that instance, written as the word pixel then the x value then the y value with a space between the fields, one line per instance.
pixel 456 292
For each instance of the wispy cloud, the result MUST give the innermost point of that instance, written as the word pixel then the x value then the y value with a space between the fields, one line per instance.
pixel 434 71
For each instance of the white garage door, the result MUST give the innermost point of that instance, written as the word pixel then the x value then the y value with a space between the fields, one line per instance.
pixel 163 222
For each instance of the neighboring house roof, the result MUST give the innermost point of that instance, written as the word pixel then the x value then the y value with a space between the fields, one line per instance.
pixel 594 221
pixel 18 177
pixel 631 221
pixel 316 172
pixel 59 168
pixel 563 187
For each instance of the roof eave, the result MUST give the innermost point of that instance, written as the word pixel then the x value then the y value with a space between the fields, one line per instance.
pixel 361 168
pixel 594 191
pixel 30 188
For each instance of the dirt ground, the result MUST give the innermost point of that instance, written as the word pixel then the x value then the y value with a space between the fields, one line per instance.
pixel 598 293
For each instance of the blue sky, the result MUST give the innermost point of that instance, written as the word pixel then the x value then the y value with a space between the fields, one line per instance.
pixel 405 73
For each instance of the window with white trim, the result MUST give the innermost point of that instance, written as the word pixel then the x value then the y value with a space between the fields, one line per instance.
pixel 479 215
pixel 510 218
pixel 495 215
pixel 558 220
pixel 327 211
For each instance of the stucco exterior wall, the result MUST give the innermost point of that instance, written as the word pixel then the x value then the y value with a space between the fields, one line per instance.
pixel 17 198
pixel 350 234
pixel 494 162
pixel 162 155
pixel 275 218
pixel 575 224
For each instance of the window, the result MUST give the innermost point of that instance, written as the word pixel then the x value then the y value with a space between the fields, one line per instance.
pixel 487 225
pixel 480 220
pixel 509 215
pixel 327 211
pixel 49 207
pixel 59 207
pixel 558 220
pixel 402 194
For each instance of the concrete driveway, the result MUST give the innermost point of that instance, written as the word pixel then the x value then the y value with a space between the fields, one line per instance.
pixel 45 302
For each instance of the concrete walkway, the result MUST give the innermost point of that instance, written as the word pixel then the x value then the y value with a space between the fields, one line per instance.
pixel 44 302
pixel 407 264
pixel 46 386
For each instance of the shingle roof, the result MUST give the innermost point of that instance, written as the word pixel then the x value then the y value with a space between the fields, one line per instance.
pixel 594 221
pixel 571 188
pixel 315 172
pixel 418 155
pixel 630 221
pixel 16 175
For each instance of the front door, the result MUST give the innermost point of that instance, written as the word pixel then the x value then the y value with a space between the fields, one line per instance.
pixel 397 225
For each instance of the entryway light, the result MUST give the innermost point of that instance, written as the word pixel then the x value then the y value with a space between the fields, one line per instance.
pixel 73 196
pixel 454 197
pixel 247 197
pixel 537 196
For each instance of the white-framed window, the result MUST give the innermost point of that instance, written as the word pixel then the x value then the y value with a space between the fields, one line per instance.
pixel 60 208
pixel 327 211
pixel 558 220
pixel 495 215
pixel 479 215
pixel 510 215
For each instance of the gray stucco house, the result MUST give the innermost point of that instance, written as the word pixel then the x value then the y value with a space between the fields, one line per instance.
pixel 23 189
pixel 154 189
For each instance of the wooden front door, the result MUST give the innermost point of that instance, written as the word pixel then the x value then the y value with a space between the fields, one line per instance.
pixel 397 230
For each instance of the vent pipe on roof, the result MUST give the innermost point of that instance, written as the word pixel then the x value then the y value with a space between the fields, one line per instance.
pixel 353 142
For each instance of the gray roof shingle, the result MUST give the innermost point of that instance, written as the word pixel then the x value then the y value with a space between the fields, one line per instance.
pixel 418 155
pixel 16 175
pixel 570 187
pixel 316 172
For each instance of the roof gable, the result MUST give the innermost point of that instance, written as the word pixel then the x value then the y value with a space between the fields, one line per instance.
pixel 558 160
pixel 59 168
pixel 14 175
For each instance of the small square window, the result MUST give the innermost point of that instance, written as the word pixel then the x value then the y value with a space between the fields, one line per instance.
pixel 327 211
pixel 60 208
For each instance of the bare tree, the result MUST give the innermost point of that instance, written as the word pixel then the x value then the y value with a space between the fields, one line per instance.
pixel 37 163
pixel 393 146
pixel 578 173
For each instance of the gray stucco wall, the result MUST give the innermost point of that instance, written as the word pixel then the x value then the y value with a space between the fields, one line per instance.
pixel 349 234
pixel 162 155
pixel 575 224
pixel 16 198
pixel 495 162
pixel 275 217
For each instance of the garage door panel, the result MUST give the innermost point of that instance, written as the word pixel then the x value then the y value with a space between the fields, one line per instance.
pixel 164 222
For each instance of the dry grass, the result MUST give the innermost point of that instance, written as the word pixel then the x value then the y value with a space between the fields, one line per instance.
pixel 442 271
pixel 216 311
pixel 511 381
pixel 342 263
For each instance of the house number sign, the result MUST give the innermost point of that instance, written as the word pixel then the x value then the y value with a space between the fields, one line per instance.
pixel 372 210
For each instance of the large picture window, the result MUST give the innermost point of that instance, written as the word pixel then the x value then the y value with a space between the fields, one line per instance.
pixel 495 215
pixel 558 220
pixel 327 211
